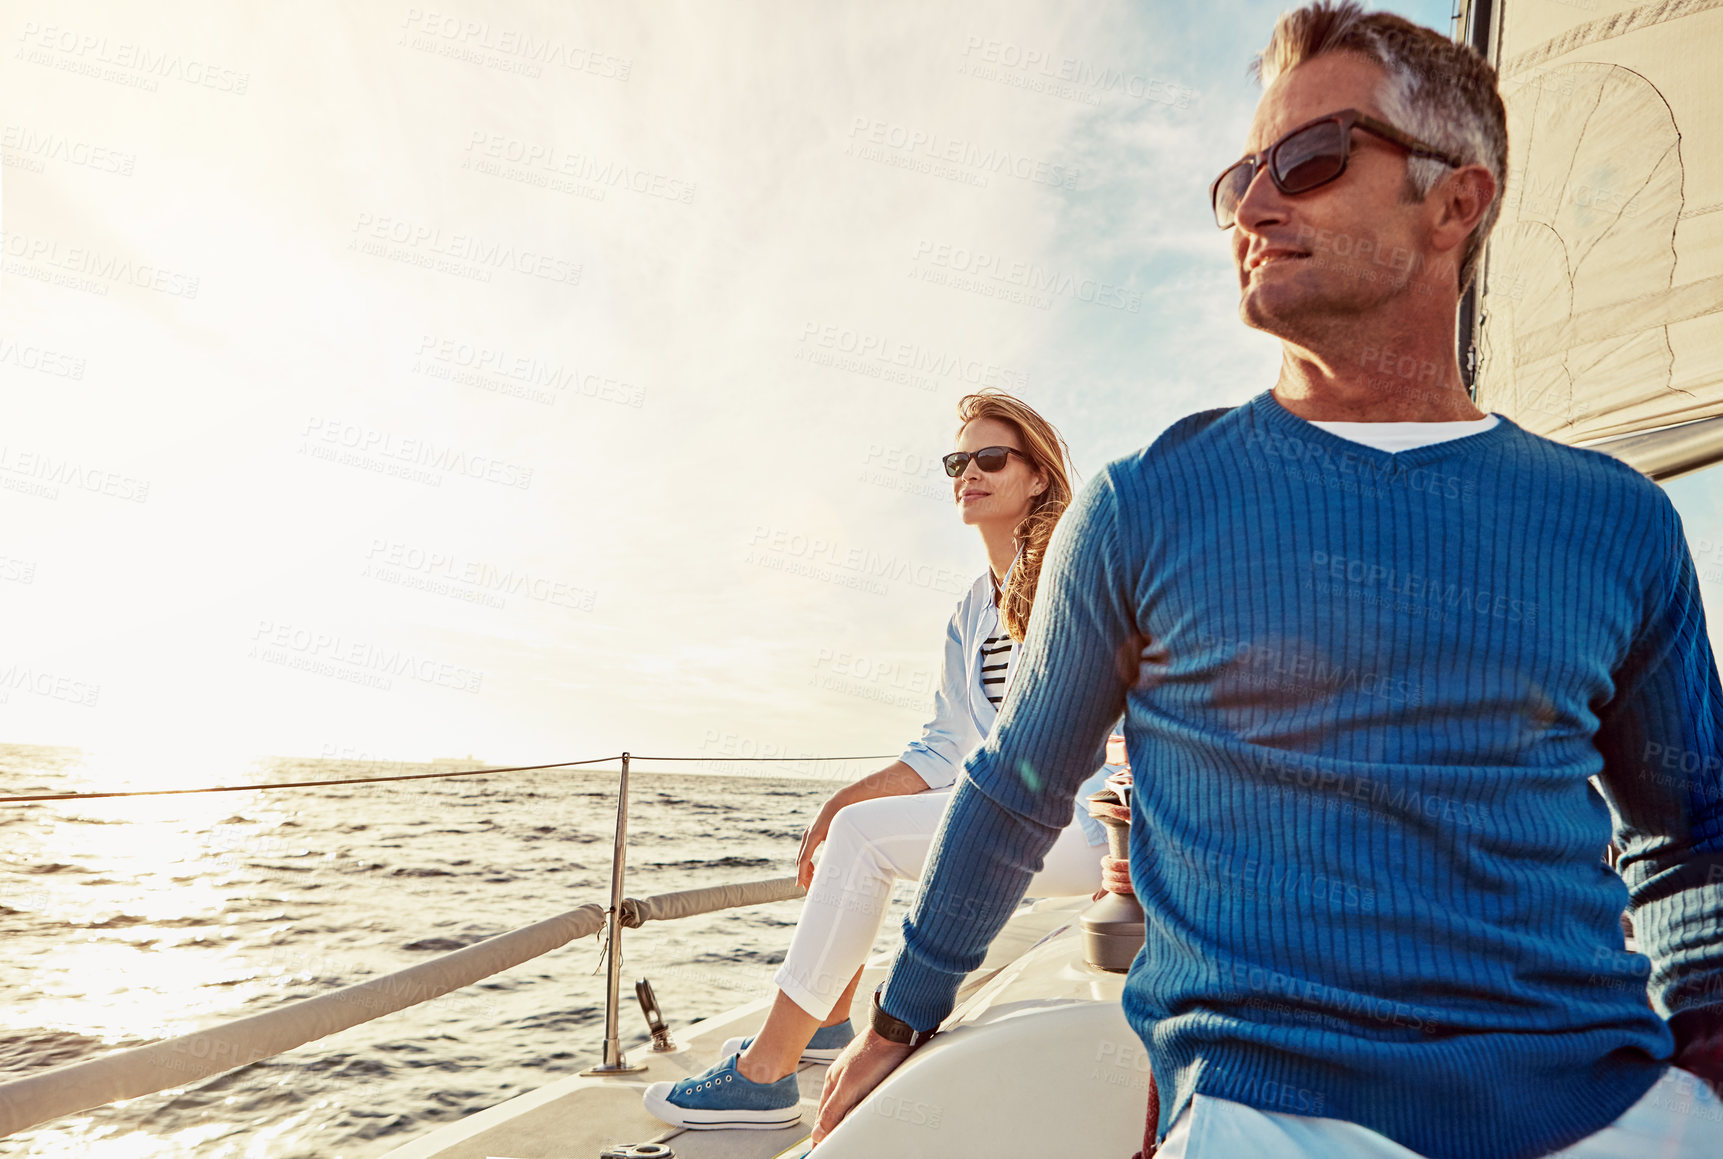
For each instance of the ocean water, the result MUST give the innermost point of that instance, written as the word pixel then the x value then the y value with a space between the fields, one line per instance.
pixel 130 920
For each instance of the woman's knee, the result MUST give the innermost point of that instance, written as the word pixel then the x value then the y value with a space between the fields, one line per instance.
pixel 883 837
pixel 845 830
pixel 862 822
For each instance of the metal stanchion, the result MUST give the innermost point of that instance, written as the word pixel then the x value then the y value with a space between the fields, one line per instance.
pixel 614 1062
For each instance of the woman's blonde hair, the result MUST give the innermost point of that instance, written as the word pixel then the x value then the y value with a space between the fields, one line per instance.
pixel 1047 448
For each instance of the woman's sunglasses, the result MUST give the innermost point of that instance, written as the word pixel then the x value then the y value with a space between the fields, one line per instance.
pixel 989 459
pixel 1309 156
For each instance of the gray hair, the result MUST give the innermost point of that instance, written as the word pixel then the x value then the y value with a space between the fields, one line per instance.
pixel 1441 92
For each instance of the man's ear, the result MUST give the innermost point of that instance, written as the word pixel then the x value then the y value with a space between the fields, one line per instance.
pixel 1459 202
pixel 1463 198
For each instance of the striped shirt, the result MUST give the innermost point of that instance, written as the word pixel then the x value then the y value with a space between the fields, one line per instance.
pixel 995 660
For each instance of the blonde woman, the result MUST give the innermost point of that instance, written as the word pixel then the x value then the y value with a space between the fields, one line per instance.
pixel 1010 482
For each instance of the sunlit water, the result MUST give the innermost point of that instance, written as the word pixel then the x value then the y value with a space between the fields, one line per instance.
pixel 125 921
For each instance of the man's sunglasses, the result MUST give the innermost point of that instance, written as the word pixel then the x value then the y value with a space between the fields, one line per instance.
pixel 1309 156
pixel 989 459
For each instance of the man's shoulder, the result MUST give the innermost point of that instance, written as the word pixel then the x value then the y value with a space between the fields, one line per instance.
pixel 1184 438
pixel 1580 471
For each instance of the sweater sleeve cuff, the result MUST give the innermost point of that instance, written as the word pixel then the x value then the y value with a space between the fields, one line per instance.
pixel 919 994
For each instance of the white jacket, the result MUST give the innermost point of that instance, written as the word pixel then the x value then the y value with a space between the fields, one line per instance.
pixel 962 714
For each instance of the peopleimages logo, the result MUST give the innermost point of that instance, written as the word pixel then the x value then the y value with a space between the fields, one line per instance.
pixel 1422 589
pixel 473 363
pixel 54 686
pixel 422 244
pixel 18 571
pixel 28 357
pixel 446 573
pixel 102 269
pixel 831 561
pixel 326 653
pixel 879 355
pixel 329 438
pixel 600 171
pixel 1380 795
pixel 1309 674
pixel 43 474
pixel 137 65
pixel 1360 468
pixel 1266 879
pixel 973 269
pixel 1066 77
pixel 21 141
pixel 472 39
pixel 937 147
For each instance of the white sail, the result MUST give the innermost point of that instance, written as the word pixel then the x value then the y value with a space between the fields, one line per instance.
pixel 1601 313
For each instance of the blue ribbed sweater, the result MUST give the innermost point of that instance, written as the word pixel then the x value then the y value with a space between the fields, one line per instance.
pixel 1363 696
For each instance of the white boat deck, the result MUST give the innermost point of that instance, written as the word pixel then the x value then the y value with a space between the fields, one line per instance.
pixel 578 1117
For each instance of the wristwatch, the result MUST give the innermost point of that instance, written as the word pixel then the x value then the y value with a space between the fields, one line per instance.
pixel 895 1029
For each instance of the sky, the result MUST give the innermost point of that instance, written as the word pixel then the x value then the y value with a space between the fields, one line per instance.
pixel 541 381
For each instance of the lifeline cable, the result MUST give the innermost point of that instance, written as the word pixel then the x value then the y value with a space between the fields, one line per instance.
pixel 869 757
pixel 399 777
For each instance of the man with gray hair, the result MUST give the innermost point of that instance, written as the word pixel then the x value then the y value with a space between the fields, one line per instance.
pixel 1372 647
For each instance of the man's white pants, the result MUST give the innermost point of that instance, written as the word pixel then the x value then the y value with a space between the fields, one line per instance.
pixel 870 845
pixel 1678 1118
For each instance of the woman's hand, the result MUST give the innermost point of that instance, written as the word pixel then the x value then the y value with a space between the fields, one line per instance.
pixel 896 779
pixel 814 838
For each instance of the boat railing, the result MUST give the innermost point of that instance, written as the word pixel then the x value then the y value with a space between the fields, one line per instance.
pixel 126 1074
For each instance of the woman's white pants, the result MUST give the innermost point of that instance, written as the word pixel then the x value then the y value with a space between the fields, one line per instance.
pixel 870 845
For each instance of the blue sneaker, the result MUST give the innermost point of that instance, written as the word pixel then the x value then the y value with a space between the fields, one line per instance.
pixel 827 1043
pixel 721 1098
